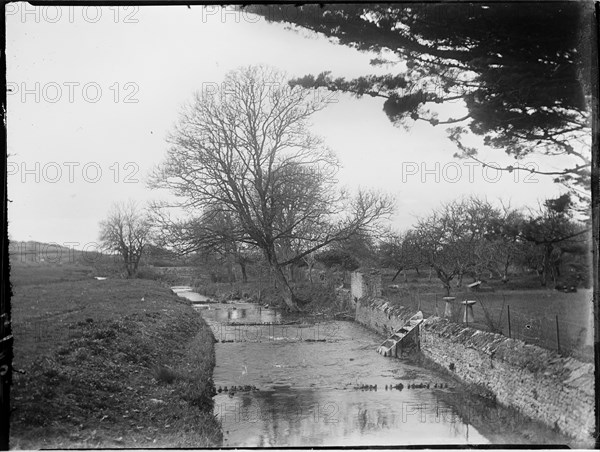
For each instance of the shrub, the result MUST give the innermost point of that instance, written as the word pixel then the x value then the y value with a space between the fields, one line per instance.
pixel 163 374
pixel 315 294
pixel 148 272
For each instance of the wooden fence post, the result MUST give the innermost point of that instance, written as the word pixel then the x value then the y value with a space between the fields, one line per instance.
pixel 557 335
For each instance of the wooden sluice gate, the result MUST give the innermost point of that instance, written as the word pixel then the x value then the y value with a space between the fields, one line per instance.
pixel 401 335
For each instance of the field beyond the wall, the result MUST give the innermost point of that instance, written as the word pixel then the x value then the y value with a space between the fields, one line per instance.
pixel 542 316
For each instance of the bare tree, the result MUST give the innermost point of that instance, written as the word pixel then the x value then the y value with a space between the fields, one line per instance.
pixel 400 251
pixel 215 232
pixel 505 242
pixel 248 150
pixel 126 231
pixel 551 230
pixel 452 240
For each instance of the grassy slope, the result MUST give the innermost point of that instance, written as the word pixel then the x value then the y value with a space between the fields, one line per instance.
pixel 106 369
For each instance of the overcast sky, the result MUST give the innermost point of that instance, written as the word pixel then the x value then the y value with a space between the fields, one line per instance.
pixel 94 92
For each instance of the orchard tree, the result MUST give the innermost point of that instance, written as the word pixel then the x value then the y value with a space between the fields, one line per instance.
pixel 400 252
pixel 506 245
pixel 452 240
pixel 248 150
pixel 552 230
pixel 126 231
pixel 517 73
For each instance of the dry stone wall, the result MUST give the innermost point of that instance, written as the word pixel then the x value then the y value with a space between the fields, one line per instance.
pixel 556 390
pixel 379 315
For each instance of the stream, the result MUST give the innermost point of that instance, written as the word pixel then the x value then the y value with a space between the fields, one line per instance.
pixel 290 381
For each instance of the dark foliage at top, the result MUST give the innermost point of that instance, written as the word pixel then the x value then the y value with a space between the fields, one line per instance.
pixel 522 70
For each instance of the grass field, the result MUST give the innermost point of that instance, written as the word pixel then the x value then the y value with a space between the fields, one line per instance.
pixel 113 363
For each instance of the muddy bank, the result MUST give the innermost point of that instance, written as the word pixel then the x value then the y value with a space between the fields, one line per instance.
pixel 121 363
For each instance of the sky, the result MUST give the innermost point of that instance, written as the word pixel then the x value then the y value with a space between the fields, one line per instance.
pixel 95 91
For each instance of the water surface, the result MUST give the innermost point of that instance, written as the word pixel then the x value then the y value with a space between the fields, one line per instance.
pixel 316 382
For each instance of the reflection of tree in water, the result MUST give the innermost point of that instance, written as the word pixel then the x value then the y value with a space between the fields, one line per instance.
pixel 362 419
pixel 455 415
pixel 284 419
pixel 497 423
pixel 383 419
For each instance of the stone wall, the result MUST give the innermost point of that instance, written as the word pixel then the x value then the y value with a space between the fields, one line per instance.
pixel 379 315
pixel 539 383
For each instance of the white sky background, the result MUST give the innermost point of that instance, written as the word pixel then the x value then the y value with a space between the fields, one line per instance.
pixel 166 55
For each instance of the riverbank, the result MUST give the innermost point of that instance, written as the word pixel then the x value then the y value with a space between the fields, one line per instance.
pixel 314 299
pixel 111 363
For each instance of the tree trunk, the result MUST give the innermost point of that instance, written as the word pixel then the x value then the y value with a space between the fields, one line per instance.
pixel 444 278
pixel 459 280
pixel 136 263
pixel 546 265
pixel 244 274
pixel 505 274
pixel 284 288
pixel 131 268
pixel 397 273
pixel 230 272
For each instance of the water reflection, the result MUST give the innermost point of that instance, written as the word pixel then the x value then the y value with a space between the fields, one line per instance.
pixel 243 312
pixel 186 292
pixel 308 374
pixel 330 417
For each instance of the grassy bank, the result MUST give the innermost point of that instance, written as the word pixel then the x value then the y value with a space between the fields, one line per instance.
pixel 113 363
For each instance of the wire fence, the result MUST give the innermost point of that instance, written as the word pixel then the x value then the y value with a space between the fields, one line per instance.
pixel 555 321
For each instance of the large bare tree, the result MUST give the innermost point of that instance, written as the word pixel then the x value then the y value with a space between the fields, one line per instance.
pixel 247 150
pixel 125 231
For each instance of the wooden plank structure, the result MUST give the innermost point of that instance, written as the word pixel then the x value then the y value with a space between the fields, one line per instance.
pixel 390 345
pixel 474 286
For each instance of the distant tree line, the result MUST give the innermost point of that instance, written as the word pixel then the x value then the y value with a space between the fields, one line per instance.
pixel 471 237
